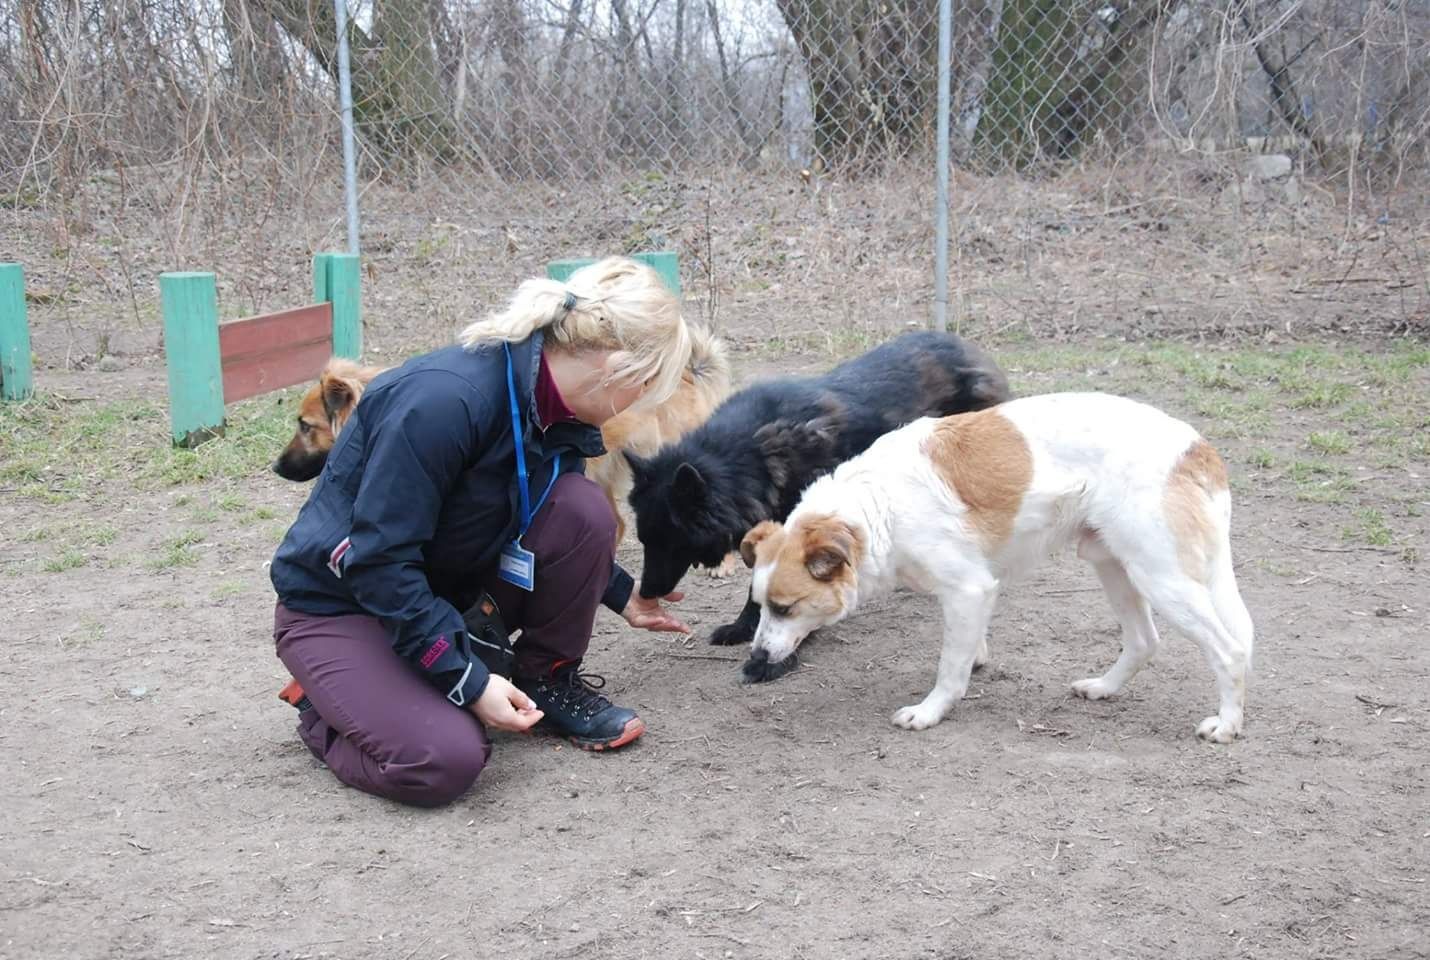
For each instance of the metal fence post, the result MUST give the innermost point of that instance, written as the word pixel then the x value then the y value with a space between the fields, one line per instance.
pixel 940 269
pixel 345 103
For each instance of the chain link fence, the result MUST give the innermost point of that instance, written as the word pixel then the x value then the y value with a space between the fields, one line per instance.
pixel 138 135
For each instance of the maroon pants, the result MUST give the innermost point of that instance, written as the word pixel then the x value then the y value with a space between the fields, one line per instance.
pixel 376 721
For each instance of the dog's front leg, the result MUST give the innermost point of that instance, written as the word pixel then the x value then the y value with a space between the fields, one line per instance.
pixel 966 610
pixel 742 630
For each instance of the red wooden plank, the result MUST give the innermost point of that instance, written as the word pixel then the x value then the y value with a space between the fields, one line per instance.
pixel 258 373
pixel 275 331
pixel 274 350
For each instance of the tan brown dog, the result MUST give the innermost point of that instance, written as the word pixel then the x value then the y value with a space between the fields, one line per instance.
pixel 321 415
pixel 329 402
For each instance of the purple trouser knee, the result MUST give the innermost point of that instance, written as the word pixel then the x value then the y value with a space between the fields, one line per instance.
pixel 376 721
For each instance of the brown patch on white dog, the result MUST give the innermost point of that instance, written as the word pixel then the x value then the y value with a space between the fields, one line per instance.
pixel 1197 476
pixel 987 464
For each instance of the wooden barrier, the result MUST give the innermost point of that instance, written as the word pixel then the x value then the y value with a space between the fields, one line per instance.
pixel 664 262
pixel 16 373
pixel 211 364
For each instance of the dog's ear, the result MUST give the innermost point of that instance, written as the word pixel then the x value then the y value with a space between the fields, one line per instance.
pixel 754 538
pixel 340 395
pixel 688 488
pixel 829 546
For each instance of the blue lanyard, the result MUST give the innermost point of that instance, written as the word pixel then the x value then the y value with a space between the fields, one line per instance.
pixel 519 440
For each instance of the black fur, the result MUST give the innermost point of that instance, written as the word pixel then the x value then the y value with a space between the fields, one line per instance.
pixel 758 668
pixel 695 499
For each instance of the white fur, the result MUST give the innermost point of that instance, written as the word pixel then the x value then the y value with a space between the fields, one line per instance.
pixel 1100 471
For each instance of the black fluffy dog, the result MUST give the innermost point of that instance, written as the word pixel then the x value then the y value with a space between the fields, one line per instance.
pixel 695 499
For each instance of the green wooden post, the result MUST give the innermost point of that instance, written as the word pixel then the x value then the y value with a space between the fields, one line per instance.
pixel 664 262
pixel 190 307
pixel 16 376
pixel 337 278
pixel 562 269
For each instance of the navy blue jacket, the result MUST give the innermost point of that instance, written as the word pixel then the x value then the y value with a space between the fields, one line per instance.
pixel 417 499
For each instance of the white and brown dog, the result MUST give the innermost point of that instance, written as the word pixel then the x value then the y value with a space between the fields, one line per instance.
pixel 955 507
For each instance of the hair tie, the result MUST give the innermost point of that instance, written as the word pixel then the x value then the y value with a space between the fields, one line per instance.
pixel 569 303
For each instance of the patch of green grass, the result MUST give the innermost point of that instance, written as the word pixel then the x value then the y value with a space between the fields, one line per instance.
pixel 1322 395
pixel 1370 528
pixel 1229 416
pixel 36 535
pixel 1319 482
pixel 205 515
pixel 1329 441
pixel 68 560
pixel 264 513
pixel 177 552
pixel 1311 471
pixel 56 452
pixel 1262 459
pixel 1277 567
pixel 89 632
pixel 102 535
pixel 1210 372
pixel 226 591
pixel 231 503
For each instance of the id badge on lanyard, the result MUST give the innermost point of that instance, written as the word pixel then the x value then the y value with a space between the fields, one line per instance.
pixel 517 565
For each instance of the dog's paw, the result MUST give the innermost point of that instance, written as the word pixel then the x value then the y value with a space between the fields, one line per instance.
pixel 918 717
pixel 1218 730
pixel 727 567
pixel 1093 688
pixel 980 656
pixel 760 669
pixel 730 635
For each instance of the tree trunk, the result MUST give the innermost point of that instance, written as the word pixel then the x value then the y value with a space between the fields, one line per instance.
pixel 872 73
pixel 399 105
pixel 1058 70
pixel 255 54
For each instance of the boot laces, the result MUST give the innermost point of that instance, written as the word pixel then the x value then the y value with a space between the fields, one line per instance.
pixel 579 691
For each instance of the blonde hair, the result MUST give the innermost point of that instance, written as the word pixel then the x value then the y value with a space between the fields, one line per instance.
pixel 617 305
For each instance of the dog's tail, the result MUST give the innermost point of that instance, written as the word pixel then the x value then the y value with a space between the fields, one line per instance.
pixel 709 369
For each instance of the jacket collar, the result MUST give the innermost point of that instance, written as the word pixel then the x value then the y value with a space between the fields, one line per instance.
pixel 525 365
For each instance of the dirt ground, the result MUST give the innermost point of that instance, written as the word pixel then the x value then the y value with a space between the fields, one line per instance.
pixel 158 804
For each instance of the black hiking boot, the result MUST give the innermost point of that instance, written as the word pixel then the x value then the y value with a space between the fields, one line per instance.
pixel 576 711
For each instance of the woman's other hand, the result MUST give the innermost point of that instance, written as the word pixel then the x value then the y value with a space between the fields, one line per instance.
pixel 503 706
pixel 648 614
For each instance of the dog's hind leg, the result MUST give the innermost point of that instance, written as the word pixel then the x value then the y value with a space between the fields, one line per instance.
pixel 1139 634
pixel 1189 605
pixel 967 608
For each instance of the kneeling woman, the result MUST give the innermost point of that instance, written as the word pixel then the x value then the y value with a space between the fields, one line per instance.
pixel 452 512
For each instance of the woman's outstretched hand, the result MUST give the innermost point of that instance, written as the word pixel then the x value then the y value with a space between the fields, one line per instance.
pixel 505 707
pixel 648 614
